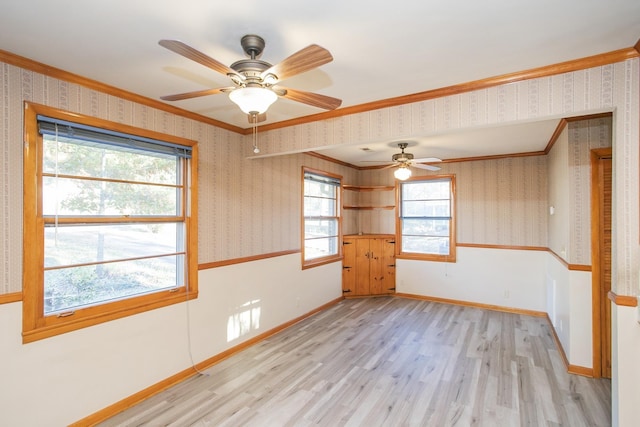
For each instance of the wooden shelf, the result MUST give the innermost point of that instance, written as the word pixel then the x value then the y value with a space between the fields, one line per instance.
pixel 369 208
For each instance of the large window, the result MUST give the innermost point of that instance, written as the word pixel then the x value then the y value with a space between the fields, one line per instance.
pixel 426 219
pixel 321 217
pixel 109 219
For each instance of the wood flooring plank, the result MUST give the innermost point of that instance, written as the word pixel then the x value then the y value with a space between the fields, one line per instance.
pixel 388 361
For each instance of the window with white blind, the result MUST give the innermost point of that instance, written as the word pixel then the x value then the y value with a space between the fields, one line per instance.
pixel 321 217
pixel 426 220
pixel 110 221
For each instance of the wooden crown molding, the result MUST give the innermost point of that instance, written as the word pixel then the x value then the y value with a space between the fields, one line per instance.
pixel 545 71
pixel 29 64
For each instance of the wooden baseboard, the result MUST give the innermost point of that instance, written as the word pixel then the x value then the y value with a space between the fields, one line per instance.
pixel 580 370
pixel 475 304
pixel 572 369
pixel 140 396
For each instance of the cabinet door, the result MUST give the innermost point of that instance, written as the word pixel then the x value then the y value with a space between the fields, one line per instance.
pixel 382 266
pixel 388 265
pixel 363 254
pixel 348 267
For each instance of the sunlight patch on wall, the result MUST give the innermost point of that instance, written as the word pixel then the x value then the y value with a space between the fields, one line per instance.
pixel 246 319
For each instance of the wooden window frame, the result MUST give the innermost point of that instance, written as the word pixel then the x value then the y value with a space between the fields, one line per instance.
pixel 332 258
pixel 451 257
pixel 37 325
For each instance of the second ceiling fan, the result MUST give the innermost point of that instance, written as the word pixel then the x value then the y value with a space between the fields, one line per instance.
pixel 256 82
pixel 403 161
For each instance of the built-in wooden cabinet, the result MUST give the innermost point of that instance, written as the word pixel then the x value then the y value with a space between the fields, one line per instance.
pixel 369 265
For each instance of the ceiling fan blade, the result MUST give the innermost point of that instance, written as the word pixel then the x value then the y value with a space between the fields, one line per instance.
pixel 392 165
pixel 195 55
pixel 306 59
pixel 427 160
pixel 196 94
pixel 313 99
pixel 261 118
pixel 426 167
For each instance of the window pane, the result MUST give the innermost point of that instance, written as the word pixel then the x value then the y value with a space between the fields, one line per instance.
pixel 101 161
pixel 318 248
pixel 81 244
pixel 432 189
pixel 314 206
pixel 319 189
pixel 424 208
pixel 70 288
pixel 320 228
pixel 426 245
pixel 425 227
pixel 78 197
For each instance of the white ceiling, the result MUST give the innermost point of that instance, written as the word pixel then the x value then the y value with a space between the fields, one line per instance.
pixel 381 49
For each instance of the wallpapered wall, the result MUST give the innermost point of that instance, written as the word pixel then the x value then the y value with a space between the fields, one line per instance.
pixel 246 207
pixel 499 202
pixel 249 207
pixel 613 87
pixel 583 136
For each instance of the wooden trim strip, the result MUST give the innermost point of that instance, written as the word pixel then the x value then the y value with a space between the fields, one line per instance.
pixel 142 395
pixel 233 261
pixel 473 304
pixel 329 159
pixel 580 370
pixel 623 300
pixel 557 341
pixel 546 71
pixel 556 134
pixel 29 64
pixel 572 369
pixel 572 267
pixel 520 248
pixel 10 297
pixel 493 157
pixel 563 123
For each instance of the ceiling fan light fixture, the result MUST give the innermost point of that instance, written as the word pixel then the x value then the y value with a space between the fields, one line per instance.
pixel 402 173
pixel 253 99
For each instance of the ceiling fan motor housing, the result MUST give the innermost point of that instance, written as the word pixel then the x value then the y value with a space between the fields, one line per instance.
pixel 402 157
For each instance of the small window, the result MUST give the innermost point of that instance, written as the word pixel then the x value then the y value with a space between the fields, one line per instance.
pixel 109 229
pixel 321 217
pixel 426 218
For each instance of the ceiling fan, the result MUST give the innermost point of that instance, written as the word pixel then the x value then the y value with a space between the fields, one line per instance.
pixel 403 161
pixel 256 82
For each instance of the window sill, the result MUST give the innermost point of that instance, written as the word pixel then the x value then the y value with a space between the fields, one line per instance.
pixel 427 257
pixel 90 316
pixel 320 261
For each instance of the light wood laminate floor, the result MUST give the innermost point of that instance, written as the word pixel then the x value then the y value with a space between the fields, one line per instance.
pixel 389 362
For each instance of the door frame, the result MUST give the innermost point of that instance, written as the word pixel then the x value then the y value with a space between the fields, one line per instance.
pixel 596 300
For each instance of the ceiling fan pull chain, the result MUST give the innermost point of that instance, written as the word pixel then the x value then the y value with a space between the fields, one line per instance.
pixel 254 121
